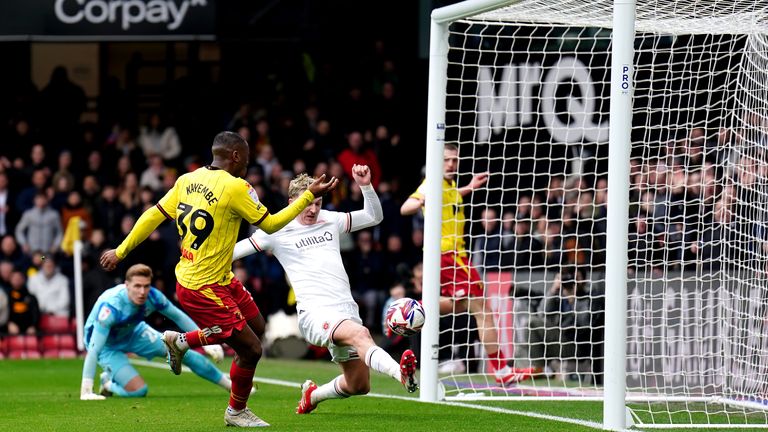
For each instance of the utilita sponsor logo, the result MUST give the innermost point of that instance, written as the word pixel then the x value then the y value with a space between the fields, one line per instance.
pixel 126 13
pixel 314 240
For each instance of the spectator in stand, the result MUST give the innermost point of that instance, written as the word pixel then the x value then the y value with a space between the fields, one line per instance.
pixel 152 177
pixel 37 161
pixel 61 104
pixel 366 275
pixel 61 190
pixel 7 212
pixel 6 270
pixel 25 313
pixel 51 288
pixel 129 193
pixel 91 192
pixel 267 160
pixel 40 227
pixel 357 154
pixel 4 310
pixel 108 213
pixel 26 198
pixel 158 138
pixel 74 207
pixel 564 319
pixel 95 167
pixel 10 252
pixel 486 247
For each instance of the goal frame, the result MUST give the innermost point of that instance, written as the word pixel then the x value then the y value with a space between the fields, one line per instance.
pixel 622 57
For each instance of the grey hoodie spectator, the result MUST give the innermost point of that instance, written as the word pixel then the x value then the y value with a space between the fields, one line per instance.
pixel 40 227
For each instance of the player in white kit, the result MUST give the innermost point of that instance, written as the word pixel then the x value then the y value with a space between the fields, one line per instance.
pixel 308 250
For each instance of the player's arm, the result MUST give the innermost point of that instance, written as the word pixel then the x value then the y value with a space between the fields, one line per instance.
pixel 258 242
pixel 249 207
pixel 99 337
pixel 477 181
pixel 371 214
pixel 414 202
pixel 148 222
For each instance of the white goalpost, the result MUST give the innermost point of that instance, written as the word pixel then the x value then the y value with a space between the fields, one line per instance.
pixel 622 236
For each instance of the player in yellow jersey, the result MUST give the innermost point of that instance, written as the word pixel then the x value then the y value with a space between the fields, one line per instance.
pixel 459 281
pixel 207 206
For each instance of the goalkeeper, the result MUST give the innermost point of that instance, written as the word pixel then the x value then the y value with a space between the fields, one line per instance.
pixel 116 326
pixel 461 287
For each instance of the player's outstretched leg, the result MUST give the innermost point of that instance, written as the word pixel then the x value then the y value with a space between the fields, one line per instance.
pixel 408 371
pixel 175 353
pixel 305 403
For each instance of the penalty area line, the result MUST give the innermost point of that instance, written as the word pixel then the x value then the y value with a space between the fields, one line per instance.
pixel 498 410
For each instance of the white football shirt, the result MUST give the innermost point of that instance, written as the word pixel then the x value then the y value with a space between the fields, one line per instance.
pixel 310 254
pixel 311 258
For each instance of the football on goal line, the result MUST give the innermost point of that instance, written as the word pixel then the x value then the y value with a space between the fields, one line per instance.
pixel 405 316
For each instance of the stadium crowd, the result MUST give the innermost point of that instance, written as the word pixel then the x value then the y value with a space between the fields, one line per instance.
pixel 54 167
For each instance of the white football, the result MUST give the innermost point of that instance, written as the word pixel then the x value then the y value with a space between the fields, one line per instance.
pixel 405 316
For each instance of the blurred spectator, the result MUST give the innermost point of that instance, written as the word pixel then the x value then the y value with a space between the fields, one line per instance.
pixel 563 319
pixel 26 199
pixel 7 212
pixel 24 314
pixel 158 138
pixel 11 253
pixel 108 213
pixel 4 310
pixel 129 193
pixel 64 169
pixel 356 153
pixel 61 104
pixel 6 270
pixel 95 167
pixel 74 207
pixel 152 177
pixel 51 288
pixel 486 246
pixel 366 272
pixel 91 193
pixel 39 228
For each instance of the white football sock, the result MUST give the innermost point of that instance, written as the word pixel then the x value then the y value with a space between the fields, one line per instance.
pixel 181 341
pixel 378 360
pixel 225 382
pixel 329 390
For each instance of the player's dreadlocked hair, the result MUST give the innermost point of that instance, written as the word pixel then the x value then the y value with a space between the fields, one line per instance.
pixel 299 184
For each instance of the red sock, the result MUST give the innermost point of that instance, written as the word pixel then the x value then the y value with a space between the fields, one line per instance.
pixel 497 360
pixel 195 338
pixel 242 382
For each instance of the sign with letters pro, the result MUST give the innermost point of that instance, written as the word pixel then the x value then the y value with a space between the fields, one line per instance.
pixel 95 20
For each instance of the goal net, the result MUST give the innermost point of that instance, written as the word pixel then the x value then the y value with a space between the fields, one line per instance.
pixel 527 100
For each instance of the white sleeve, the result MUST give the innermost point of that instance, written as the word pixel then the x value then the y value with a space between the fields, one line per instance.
pixel 258 242
pixel 371 214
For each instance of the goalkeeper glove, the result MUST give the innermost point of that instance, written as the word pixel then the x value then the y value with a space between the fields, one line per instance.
pixel 215 352
pixel 86 390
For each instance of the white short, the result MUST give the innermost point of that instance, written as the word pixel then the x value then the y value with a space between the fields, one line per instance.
pixel 318 324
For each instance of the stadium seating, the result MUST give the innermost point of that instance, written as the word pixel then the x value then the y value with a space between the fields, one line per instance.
pixel 23 347
pixel 51 324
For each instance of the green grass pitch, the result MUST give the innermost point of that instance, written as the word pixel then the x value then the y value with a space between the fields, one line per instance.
pixel 43 395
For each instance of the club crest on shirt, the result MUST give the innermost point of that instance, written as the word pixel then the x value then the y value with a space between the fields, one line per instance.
pixel 254 196
pixel 104 313
pixel 326 325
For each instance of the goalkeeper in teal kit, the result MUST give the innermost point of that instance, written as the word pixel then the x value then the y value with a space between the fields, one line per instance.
pixel 116 326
